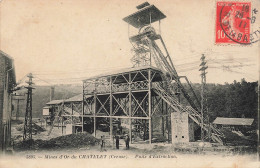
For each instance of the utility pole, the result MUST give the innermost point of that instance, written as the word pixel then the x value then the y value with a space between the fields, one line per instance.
pixel 204 110
pixel 27 134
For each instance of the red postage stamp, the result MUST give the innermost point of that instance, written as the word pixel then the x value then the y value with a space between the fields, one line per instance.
pixel 233 23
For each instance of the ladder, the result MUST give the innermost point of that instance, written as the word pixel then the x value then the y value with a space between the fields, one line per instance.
pixel 193 114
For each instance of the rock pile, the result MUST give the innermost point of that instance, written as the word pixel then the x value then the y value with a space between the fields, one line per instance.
pixel 35 128
pixel 68 141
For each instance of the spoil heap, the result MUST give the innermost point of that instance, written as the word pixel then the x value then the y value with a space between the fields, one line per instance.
pixel 232 139
pixel 76 140
pixel 35 128
pixel 68 141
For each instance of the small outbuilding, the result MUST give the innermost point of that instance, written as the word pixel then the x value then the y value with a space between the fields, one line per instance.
pixel 234 124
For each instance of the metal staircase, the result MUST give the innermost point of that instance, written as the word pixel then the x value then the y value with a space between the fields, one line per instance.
pixel 193 114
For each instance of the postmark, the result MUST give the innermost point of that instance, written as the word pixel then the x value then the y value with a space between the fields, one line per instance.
pixel 233 23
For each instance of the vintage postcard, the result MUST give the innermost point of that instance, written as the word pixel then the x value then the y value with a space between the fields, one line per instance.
pixel 159 83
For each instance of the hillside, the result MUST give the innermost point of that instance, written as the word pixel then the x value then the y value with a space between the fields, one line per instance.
pixel 41 95
pixel 238 99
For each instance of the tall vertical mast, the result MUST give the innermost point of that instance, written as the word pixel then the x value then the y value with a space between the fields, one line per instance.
pixel 204 110
pixel 27 135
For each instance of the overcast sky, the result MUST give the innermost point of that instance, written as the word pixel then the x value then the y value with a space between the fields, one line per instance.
pixel 63 41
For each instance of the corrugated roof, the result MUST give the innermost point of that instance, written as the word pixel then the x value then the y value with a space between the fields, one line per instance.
pixel 233 121
pixel 54 102
pixel 144 16
pixel 76 98
pixel 125 70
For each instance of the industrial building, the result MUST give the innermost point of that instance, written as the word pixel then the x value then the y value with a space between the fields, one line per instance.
pixel 142 101
pixel 66 114
pixel 7 84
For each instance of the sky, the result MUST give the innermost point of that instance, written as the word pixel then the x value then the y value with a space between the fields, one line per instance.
pixel 66 41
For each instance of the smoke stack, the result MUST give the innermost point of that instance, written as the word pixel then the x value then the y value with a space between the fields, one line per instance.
pixel 52 93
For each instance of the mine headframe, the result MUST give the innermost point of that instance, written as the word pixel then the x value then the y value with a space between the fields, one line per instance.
pixel 147 52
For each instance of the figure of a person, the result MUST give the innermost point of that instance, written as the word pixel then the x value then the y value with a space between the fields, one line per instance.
pixel 117 142
pixel 102 142
pixel 121 129
pixel 127 139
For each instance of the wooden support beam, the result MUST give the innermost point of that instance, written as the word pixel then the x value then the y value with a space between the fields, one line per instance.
pixel 123 117
pixel 140 105
pixel 95 104
pixel 162 118
pixel 165 115
pixel 130 107
pixel 82 110
pixel 62 124
pixel 150 105
pixel 111 111
pixel 82 119
pixel 167 121
pixel 122 92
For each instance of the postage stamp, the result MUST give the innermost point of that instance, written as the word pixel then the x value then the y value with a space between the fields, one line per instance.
pixel 233 21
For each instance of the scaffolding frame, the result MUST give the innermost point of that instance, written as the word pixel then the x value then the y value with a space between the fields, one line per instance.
pixel 65 112
pixel 126 95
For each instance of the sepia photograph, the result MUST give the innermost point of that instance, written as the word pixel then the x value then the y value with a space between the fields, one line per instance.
pixel 129 83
